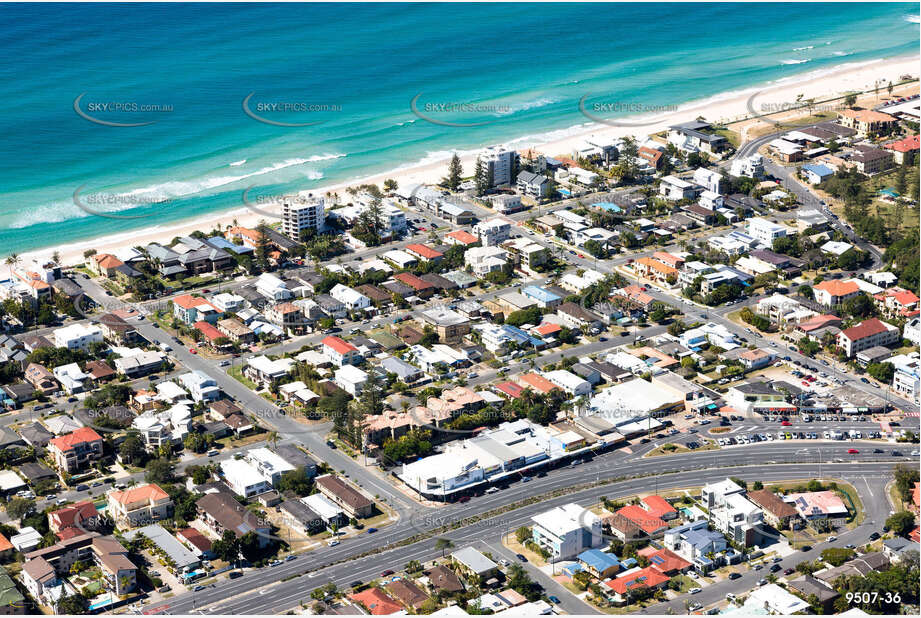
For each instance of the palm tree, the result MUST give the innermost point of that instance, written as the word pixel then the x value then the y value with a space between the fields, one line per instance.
pixel 443 544
pixel 12 260
pixel 273 438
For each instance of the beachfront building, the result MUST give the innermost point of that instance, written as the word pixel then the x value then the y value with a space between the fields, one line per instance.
pixel 500 163
pixel 299 214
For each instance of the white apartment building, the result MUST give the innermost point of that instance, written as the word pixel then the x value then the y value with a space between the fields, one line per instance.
pixel 674 188
pixel 272 287
pixel 567 531
pixel 302 214
pixel 243 478
pixel 708 179
pixel 764 231
pixel 484 260
pixel 201 386
pixel 228 303
pixel 501 162
pixel 492 232
pixel 77 336
pixel 752 166
pixel 351 379
pixel 569 382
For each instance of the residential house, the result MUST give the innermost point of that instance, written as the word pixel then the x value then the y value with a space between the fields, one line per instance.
pixel 138 506
pixel 353 502
pixel 340 351
pixel 75 450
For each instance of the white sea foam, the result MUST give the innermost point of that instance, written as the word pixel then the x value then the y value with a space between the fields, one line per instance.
pixel 842 53
pixel 238 163
pixel 803 48
pixel 514 108
pixel 795 61
pixel 913 18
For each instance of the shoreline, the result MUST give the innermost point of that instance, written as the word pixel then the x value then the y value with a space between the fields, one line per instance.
pixel 729 106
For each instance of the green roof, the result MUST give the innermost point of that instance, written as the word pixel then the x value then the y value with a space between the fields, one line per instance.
pixel 9 593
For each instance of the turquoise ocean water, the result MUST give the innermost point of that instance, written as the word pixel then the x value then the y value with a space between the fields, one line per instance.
pixel 529 64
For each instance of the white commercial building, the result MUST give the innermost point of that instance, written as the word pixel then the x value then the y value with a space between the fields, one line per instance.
pixel 764 231
pixel 77 336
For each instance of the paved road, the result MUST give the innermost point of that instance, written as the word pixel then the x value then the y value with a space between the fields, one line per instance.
pixel 247 594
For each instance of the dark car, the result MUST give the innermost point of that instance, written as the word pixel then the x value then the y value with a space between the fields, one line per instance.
pixel 789 571
pixel 521 557
pixel 775 568
pixel 554 600
pixel 735 575
pixel 372 530
pixel 356 584
pixel 806 548
pixel 236 574
pixel 874 536
pixel 463 499
pixel 386 573
pixel 82 487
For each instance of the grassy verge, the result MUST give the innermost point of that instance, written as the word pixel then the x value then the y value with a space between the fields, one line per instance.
pixel 237 374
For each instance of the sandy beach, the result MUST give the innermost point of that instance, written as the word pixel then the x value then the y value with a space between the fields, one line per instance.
pixel 819 85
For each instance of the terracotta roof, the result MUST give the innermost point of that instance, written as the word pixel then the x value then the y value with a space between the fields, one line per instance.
pixel 837 288
pixel 99 369
pixel 510 388
pixel 866 115
pixel 906 144
pixel 376 601
pixel 407 593
pixel 819 321
pixel 340 346
pixel 647 522
pixel 5 544
pixel 424 251
pixel 664 560
pixel 443 578
pixel 413 281
pixel 187 301
pixel 463 237
pixel 667 258
pixel 867 328
pixel 644 578
pixel 548 328
pixel 107 260
pixel 195 538
pixel 538 383
pixel 208 330
pixel 70 441
pixel 70 515
pixel 657 265
pixel 142 493
pixel 657 506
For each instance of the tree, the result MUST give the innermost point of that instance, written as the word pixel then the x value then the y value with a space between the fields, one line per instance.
pixel 523 534
pixel 263 245
pixel 806 292
pixel 17 508
pixel 882 372
pixel 132 449
pixel 481 177
pixel 73 604
pixel 443 544
pixel 836 556
pixel 250 546
pixel 905 479
pixel 455 173
pixel 861 306
pixel 390 185
pixel 227 548
pixel 901 523
pixel 850 99
pixel 159 471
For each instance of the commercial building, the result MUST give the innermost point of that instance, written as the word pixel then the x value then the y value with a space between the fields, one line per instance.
pixel 566 531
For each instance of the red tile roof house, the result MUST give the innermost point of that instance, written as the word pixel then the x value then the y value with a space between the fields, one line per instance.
pixel 190 309
pixel 376 601
pixel 648 523
pixel 817 323
pixel 537 383
pixel 461 237
pixel 902 147
pixel 424 253
pixel 867 334
pixel 340 351
pixel 897 301
pixel 832 293
pixel 509 389
pixel 211 334
pixel 665 561
pixel 657 506
pixel 81 516
pixel 72 451
pixel 421 287
pixel 196 541
pixel 635 580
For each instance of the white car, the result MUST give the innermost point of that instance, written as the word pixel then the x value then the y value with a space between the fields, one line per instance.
pixel 694 590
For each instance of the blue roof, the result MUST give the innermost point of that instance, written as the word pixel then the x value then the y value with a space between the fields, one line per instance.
pixel 819 170
pixel 598 560
pixel 539 294
pixel 222 243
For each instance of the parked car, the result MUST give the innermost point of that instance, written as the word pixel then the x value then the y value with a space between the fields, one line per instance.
pixel 521 557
